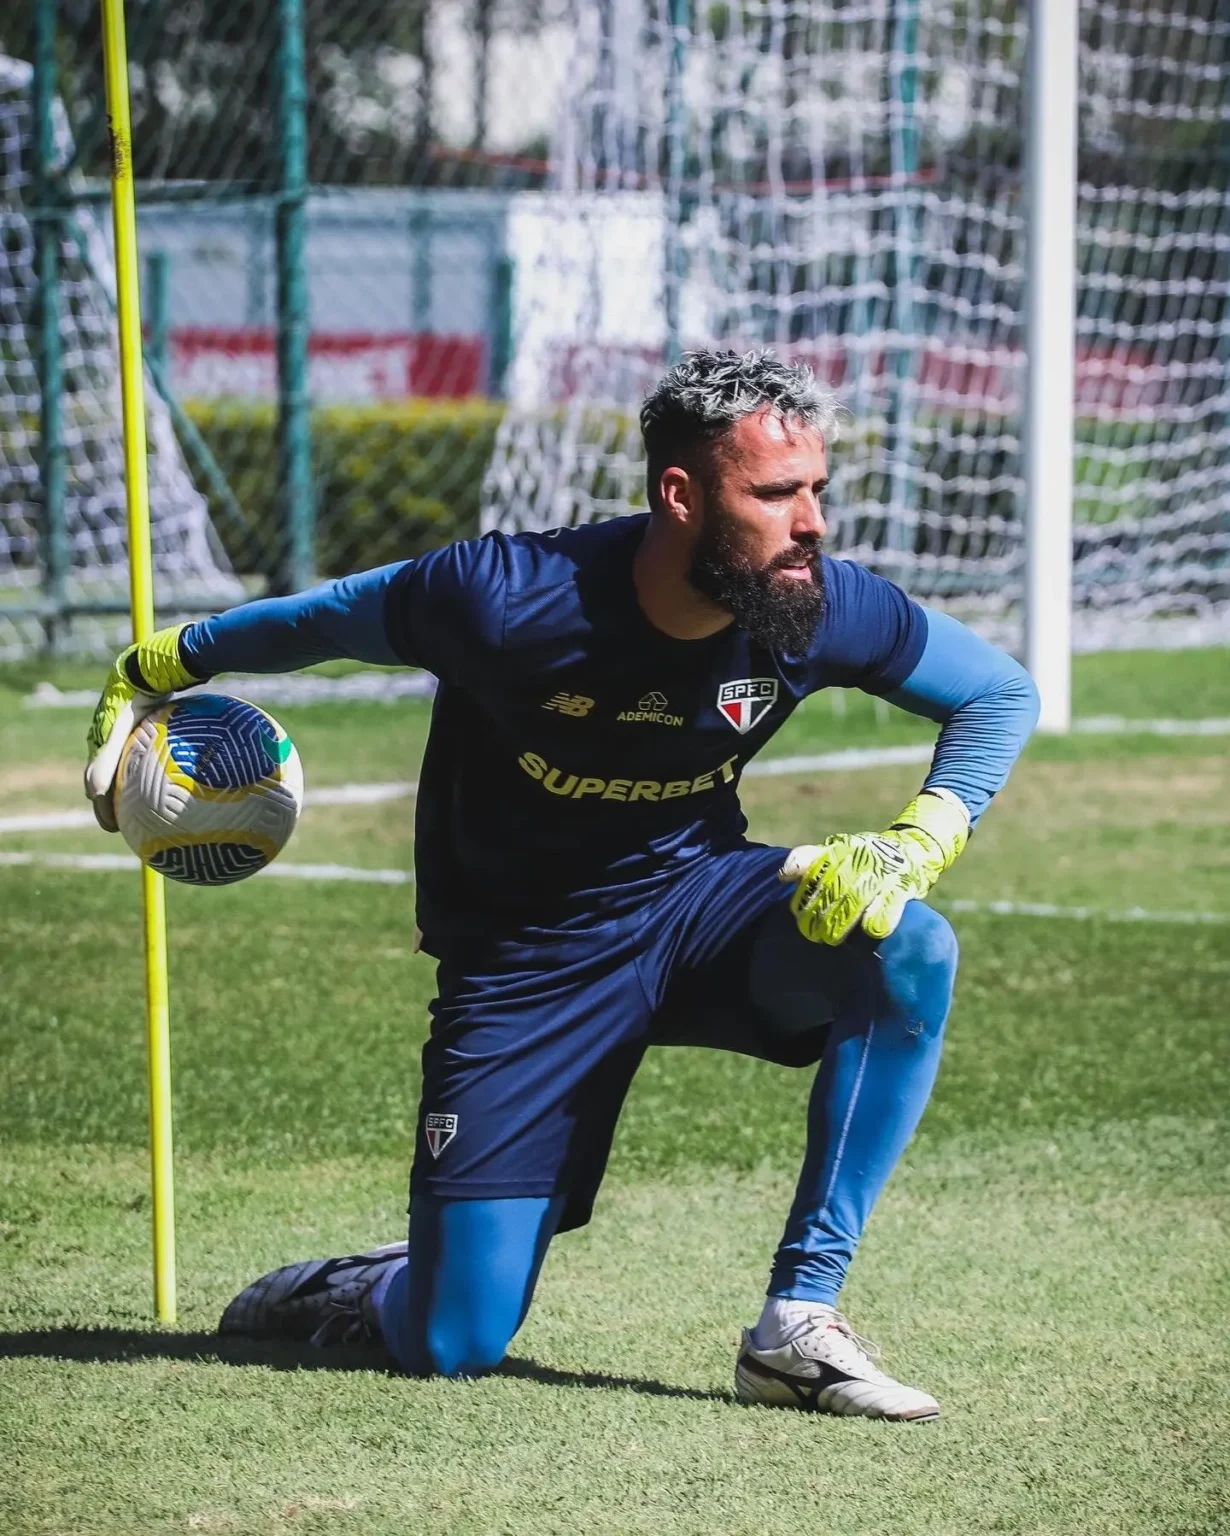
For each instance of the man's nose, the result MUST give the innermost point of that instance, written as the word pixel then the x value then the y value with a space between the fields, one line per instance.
pixel 808 516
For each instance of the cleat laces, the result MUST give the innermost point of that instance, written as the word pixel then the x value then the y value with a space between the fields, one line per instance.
pixel 828 1336
pixel 344 1323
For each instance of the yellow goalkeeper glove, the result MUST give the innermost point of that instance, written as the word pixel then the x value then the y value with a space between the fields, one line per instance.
pixel 867 877
pixel 141 678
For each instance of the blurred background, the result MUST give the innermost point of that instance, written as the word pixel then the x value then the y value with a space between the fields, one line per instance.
pixel 408 269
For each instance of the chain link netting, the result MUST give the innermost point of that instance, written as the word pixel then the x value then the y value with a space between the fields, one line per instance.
pixel 420 137
pixel 514 212
pixel 844 182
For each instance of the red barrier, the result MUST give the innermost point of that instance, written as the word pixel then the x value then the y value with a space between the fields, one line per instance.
pixel 208 361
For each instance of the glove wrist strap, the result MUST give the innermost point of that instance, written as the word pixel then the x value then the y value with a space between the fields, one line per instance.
pixel 154 666
pixel 942 817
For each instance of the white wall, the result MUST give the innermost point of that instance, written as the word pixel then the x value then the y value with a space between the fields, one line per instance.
pixel 588 281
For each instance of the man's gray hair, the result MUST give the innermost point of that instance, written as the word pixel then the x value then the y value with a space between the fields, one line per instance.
pixel 707 392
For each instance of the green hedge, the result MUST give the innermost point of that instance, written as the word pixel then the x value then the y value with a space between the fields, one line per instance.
pixel 392 479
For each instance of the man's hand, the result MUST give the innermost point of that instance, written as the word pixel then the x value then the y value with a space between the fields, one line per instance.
pixel 868 877
pixel 141 679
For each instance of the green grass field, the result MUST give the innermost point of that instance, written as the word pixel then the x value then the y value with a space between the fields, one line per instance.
pixel 1051 1259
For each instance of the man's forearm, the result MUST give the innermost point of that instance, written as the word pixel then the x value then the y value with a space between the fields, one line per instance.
pixel 987 704
pixel 343 618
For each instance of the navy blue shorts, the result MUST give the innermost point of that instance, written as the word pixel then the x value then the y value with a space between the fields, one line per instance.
pixel 533 1046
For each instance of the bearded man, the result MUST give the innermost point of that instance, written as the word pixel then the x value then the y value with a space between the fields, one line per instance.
pixel 585 883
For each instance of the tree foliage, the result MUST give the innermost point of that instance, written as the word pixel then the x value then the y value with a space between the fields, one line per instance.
pixel 204 79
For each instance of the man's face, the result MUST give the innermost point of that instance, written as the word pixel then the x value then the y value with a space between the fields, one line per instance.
pixel 758 550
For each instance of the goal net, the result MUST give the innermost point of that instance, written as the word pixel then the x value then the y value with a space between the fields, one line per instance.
pixel 187 557
pixel 842 180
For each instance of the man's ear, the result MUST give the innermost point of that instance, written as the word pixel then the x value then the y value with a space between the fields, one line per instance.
pixel 680 496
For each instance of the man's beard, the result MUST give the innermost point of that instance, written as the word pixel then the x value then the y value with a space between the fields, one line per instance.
pixel 778 612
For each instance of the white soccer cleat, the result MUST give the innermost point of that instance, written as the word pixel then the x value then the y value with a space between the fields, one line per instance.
pixel 325 1301
pixel 821 1365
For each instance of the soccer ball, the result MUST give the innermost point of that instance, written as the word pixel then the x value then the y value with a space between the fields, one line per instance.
pixel 208 790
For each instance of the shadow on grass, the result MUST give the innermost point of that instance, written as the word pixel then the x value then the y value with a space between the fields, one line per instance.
pixel 103 1346
pixel 530 1370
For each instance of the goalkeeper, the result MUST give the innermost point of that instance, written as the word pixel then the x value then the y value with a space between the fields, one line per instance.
pixel 586 886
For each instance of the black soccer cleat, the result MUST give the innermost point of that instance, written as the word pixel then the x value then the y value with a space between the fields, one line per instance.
pixel 322 1301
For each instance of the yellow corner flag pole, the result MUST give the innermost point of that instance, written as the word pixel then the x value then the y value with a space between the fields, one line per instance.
pixel 132 386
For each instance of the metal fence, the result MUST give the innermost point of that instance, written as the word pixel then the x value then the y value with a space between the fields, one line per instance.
pixel 351 164
pixel 503 216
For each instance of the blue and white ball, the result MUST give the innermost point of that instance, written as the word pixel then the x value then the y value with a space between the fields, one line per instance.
pixel 209 789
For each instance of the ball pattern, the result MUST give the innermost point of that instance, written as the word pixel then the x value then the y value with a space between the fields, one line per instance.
pixel 209 789
pixel 209 863
pixel 224 743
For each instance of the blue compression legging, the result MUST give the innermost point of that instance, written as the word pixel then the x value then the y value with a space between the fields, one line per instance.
pixel 455 1304
pixel 457 1301
pixel 873 1083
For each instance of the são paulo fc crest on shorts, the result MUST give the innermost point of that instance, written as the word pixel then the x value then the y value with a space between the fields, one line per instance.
pixel 440 1131
pixel 745 702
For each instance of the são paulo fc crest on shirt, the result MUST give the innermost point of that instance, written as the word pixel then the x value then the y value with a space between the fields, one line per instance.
pixel 746 701
pixel 440 1131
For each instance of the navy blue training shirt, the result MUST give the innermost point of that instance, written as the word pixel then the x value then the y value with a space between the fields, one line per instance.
pixel 578 757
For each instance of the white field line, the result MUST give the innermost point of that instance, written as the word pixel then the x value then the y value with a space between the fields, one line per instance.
pixel 339 872
pixel 823 762
pixel 852 757
pixel 1109 725
pixel 362 794
pixel 1078 914
pixel 404 789
pixel 389 687
pixel 850 760
pixel 104 863
pixel 272 688
pixel 95 863
pixel 847 761
pixel 47 821
pixel 338 794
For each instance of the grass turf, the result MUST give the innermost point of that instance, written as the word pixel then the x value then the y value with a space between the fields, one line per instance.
pixel 1050 1288
pixel 1051 1258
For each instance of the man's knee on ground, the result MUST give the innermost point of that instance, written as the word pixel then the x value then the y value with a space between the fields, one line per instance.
pixel 917 966
pixel 461 1345
pixel 471 1273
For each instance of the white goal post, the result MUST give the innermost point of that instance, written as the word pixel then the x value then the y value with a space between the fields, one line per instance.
pixel 1050 351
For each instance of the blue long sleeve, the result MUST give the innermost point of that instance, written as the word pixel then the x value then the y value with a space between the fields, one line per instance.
pixel 343 618
pixel 987 705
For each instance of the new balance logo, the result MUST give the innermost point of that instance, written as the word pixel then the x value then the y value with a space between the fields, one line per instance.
pixel 574 704
pixel 440 1131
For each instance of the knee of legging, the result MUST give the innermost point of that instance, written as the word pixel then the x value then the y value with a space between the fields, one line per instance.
pixel 918 964
pixel 467 1347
